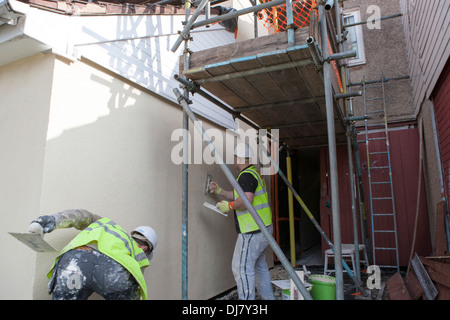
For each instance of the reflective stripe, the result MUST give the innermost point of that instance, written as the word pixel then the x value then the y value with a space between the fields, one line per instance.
pixel 140 257
pixel 259 180
pixel 130 240
pixel 257 207
pixel 260 192
pixel 112 232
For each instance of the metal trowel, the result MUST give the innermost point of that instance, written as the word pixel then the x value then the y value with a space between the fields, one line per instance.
pixel 34 241
pixel 208 182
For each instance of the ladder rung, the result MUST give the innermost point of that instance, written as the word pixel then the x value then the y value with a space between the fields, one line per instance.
pixel 382 198
pixel 379 167
pixel 381 138
pixel 396 267
pixel 376 124
pixel 382 214
pixel 381 248
pixel 380 182
pixel 384 231
pixel 380 152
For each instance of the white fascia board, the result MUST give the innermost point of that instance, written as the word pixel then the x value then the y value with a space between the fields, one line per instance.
pixel 17 6
pixel 15 44
pixel 35 31
pixel 47 29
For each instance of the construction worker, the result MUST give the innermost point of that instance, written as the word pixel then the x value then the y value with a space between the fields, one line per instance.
pixel 102 258
pixel 249 264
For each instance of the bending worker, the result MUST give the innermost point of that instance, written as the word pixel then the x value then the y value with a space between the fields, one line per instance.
pixel 249 264
pixel 102 258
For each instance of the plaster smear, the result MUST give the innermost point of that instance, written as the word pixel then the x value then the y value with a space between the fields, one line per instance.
pixel 73 275
pixel 324 279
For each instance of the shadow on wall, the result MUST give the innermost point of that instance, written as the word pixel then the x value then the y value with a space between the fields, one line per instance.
pixel 120 167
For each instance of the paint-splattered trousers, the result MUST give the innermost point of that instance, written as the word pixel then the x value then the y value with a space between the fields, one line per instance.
pixel 250 268
pixel 79 273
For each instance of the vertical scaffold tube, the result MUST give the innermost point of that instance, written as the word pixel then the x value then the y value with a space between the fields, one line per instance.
pixel 290 23
pixel 348 113
pixel 184 195
pixel 332 155
pixel 184 222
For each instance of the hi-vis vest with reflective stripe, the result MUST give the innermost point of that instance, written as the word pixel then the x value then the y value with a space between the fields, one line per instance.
pixel 114 242
pixel 260 203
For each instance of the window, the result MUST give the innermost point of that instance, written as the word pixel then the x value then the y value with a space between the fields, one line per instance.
pixel 354 38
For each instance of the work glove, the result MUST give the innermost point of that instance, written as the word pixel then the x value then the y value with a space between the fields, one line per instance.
pixel 43 224
pixel 214 188
pixel 225 206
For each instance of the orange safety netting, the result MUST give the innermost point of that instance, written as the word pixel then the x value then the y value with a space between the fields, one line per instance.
pixel 275 18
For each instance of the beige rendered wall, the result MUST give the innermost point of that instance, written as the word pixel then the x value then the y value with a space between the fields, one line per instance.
pixel 24 106
pixel 385 50
pixel 109 151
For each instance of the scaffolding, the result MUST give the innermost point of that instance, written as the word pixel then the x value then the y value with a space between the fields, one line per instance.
pixel 323 51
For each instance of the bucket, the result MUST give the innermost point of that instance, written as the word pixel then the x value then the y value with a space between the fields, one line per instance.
pixel 323 287
pixel 285 294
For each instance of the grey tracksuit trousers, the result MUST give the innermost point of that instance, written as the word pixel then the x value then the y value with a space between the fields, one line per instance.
pixel 250 268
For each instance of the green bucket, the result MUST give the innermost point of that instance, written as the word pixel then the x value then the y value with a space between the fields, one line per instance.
pixel 323 287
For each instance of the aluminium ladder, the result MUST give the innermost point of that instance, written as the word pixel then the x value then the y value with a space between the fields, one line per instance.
pixel 382 205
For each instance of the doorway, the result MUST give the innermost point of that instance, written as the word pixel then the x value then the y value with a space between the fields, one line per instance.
pixel 306 181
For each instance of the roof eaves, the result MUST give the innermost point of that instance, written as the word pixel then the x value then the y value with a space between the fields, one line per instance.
pixel 7 13
pixel 76 7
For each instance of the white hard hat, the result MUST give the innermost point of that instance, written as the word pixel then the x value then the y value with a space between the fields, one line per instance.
pixel 243 150
pixel 147 234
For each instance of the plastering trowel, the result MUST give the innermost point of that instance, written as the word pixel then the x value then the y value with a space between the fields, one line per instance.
pixel 34 241
pixel 213 208
pixel 208 181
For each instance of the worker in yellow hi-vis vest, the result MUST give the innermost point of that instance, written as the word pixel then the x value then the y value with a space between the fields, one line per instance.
pixel 249 264
pixel 102 258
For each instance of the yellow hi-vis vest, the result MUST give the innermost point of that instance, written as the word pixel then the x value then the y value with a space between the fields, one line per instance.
pixel 114 242
pixel 260 203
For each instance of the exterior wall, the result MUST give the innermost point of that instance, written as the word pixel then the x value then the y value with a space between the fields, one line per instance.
pixel 404 146
pixel 109 151
pixel 425 26
pixel 428 43
pixel 414 45
pixel 24 107
pixel 385 52
pixel 405 168
pixel 435 117
pixel 101 143
pixel 441 101
pixel 431 163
